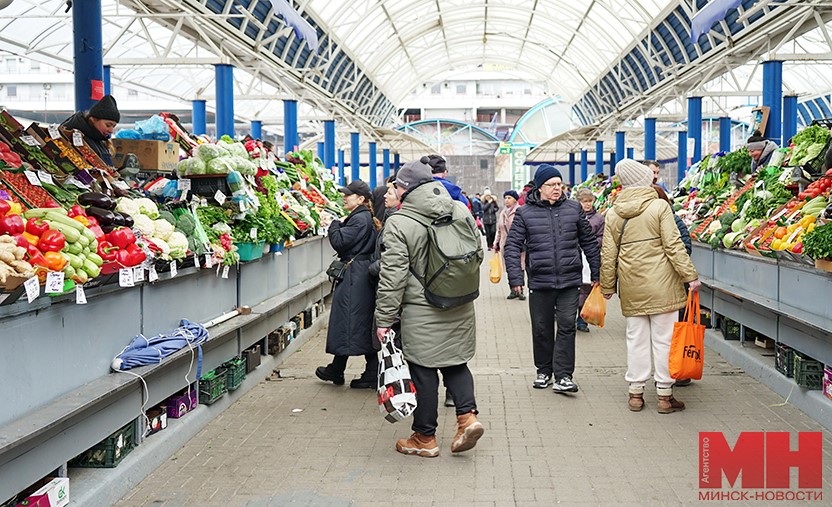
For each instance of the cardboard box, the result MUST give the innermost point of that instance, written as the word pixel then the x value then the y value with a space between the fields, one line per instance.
pixel 54 494
pixel 152 155
pixel 158 420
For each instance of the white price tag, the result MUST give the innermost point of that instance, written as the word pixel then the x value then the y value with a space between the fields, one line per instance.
pixel 183 184
pixel 209 261
pixel 125 277
pixel 77 139
pixel 54 133
pixel 225 272
pixel 152 275
pixel 138 274
pixel 253 233
pixel 45 178
pixel 54 282
pixel 107 182
pixel 219 197
pixel 121 185
pixel 73 181
pixel 263 164
pixel 32 177
pixel 256 201
pixel 173 270
pixel 243 206
pixel 292 239
pixel 30 140
pixel 32 287
pixel 80 296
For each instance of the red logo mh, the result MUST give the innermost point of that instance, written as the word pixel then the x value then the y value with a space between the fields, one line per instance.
pixel 763 458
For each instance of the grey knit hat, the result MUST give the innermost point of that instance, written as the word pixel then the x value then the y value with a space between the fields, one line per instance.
pixel 413 174
pixel 633 174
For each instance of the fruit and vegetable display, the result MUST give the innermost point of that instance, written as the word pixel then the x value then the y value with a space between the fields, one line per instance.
pixel 63 211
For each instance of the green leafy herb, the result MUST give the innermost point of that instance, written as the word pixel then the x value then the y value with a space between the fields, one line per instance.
pixel 818 243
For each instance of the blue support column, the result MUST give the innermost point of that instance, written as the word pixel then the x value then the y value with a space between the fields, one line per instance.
pixel 385 160
pixel 571 168
pixel 649 139
pixel 373 166
pixel 620 151
pixel 631 153
pixel 584 166
pixel 397 164
pixel 773 98
pixel 225 100
pixel 106 76
pixel 256 129
pixel 200 125
pixel 725 134
pixel 329 144
pixel 789 118
pixel 341 167
pixel 612 164
pixel 695 126
pixel 87 48
pixel 683 156
pixel 599 157
pixel 355 156
pixel 290 125
pixel 321 150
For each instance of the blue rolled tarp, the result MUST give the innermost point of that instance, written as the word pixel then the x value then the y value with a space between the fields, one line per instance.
pixel 143 351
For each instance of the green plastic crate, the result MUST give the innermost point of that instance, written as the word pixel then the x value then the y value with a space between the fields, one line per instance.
pixel 235 373
pixel 109 452
pixel 212 386
pixel 784 359
pixel 808 373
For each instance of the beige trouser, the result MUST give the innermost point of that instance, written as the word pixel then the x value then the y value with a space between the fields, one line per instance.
pixel 644 333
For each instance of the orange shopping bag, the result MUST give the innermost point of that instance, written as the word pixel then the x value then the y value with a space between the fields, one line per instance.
pixel 687 350
pixel 495 269
pixel 595 307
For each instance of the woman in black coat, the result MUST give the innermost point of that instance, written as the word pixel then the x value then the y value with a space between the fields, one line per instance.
pixel 489 219
pixel 351 331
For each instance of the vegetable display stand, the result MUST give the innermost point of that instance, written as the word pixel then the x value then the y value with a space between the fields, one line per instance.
pixel 277 247
pixel 250 251
pixel 824 264
pixel 808 373
pixel 235 373
pixel 784 359
pixel 212 386
pixel 207 185
pixel 109 452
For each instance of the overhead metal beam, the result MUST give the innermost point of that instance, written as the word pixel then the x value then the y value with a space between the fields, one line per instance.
pixel 802 57
pixel 166 62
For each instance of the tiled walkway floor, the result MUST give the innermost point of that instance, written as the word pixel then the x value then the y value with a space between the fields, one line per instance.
pixel 539 448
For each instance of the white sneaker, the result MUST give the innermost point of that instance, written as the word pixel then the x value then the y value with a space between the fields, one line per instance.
pixel 565 385
pixel 542 381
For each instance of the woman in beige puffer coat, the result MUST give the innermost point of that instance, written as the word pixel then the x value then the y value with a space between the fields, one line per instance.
pixel 649 265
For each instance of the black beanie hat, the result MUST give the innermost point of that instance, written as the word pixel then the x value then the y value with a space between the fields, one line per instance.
pixel 544 173
pixel 511 193
pixel 436 163
pixel 106 109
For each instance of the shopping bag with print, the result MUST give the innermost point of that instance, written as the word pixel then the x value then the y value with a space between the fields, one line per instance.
pixel 495 269
pixel 396 392
pixel 595 307
pixel 687 350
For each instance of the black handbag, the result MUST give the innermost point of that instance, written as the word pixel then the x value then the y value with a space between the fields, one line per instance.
pixel 337 269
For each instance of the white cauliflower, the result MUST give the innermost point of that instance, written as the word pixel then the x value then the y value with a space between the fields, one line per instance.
pixel 148 207
pixel 162 229
pixel 178 243
pixel 127 205
pixel 145 225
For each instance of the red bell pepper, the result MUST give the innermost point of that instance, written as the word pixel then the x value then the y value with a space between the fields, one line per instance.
pixel 121 237
pixel 76 211
pixel 5 207
pixel 36 227
pixel 131 256
pixel 12 225
pixel 107 251
pixel 51 204
pixel 52 241
pixel 35 258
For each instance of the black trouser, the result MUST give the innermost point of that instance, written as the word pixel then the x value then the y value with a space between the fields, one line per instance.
pixel 490 233
pixel 458 381
pixel 339 364
pixel 554 354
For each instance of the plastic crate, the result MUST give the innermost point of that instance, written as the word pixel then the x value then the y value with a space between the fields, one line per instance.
pixel 109 452
pixel 808 373
pixel 206 185
pixel 730 329
pixel 252 357
pixel 212 386
pixel 235 373
pixel 250 251
pixel 784 359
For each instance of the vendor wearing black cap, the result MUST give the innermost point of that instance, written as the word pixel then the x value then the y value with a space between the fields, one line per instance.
pixel 97 126
pixel 351 331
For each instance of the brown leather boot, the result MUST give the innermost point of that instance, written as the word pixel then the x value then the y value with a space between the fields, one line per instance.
pixel 419 445
pixel 667 404
pixel 636 401
pixel 469 430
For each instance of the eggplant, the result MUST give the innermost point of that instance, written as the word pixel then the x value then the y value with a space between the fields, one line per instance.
pixel 119 219
pixel 104 216
pixel 97 199
pixel 128 220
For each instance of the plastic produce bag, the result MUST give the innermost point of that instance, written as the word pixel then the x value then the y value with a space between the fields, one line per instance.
pixel 153 128
pixel 495 269
pixel 595 307
pixel 687 350
pixel 396 392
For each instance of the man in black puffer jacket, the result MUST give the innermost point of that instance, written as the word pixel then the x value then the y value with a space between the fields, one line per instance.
pixel 552 230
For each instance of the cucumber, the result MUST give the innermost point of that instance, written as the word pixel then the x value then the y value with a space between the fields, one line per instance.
pixel 91 268
pixel 69 271
pixel 63 219
pixel 75 261
pixel 41 212
pixel 72 235
pixel 73 248
pixel 95 259
pixel 82 276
